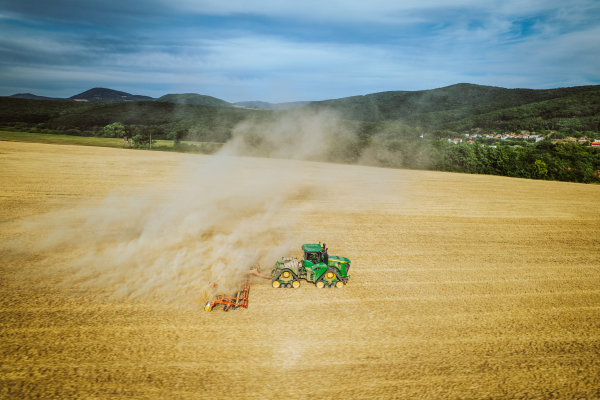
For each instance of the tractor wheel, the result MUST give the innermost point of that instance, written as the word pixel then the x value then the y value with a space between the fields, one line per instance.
pixel 320 284
pixel 276 284
pixel 330 275
pixel 296 284
pixel 339 284
pixel 286 274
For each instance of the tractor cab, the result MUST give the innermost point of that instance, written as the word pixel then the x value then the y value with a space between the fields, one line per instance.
pixel 313 253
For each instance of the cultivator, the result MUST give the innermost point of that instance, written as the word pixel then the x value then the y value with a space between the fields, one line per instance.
pixel 239 300
pixel 232 302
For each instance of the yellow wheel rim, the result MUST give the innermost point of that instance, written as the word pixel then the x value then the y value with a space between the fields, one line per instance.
pixel 208 308
pixel 329 275
pixel 296 284
pixel 339 285
pixel 286 274
pixel 320 284
pixel 275 284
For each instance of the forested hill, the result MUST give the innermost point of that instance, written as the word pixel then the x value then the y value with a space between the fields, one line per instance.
pixel 201 122
pixel 579 112
pixel 35 97
pixel 104 95
pixel 444 112
pixel 194 98
pixel 452 103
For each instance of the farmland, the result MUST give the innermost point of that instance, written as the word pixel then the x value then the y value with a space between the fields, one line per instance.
pixel 463 286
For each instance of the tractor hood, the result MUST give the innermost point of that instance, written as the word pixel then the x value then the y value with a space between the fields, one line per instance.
pixel 339 259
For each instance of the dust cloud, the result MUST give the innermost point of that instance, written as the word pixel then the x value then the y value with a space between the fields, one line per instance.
pixel 198 236
pixel 298 134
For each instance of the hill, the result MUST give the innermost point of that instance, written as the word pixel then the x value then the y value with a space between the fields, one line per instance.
pixel 194 98
pixel 402 114
pixel 35 97
pixel 453 103
pixel 578 112
pixel 272 106
pixel 103 95
pixel 202 122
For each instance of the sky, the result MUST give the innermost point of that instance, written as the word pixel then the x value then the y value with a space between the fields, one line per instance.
pixel 278 51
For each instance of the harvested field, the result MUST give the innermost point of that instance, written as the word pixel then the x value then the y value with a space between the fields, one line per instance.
pixel 463 286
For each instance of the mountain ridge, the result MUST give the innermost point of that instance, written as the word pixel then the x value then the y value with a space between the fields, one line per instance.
pixel 31 96
pixel 195 99
pixel 104 95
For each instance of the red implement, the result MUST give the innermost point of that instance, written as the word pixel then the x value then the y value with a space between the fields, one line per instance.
pixel 232 302
pixel 239 300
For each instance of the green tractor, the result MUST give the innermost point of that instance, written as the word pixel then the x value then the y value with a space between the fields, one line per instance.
pixel 288 271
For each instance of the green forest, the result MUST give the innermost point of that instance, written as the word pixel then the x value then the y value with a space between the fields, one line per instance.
pixel 394 129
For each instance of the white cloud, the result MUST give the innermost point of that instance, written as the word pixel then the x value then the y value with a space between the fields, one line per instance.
pixel 263 64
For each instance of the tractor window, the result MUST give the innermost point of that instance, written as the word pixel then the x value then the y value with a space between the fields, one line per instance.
pixel 314 257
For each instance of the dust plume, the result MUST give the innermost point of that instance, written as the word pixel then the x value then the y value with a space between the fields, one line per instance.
pixel 197 236
pixel 298 134
pixel 174 243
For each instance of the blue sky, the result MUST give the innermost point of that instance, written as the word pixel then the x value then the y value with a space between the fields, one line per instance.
pixel 277 51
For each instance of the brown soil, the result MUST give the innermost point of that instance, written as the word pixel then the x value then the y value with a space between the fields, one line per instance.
pixel 463 286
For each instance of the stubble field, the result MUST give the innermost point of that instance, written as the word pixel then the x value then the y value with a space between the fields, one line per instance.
pixel 463 287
